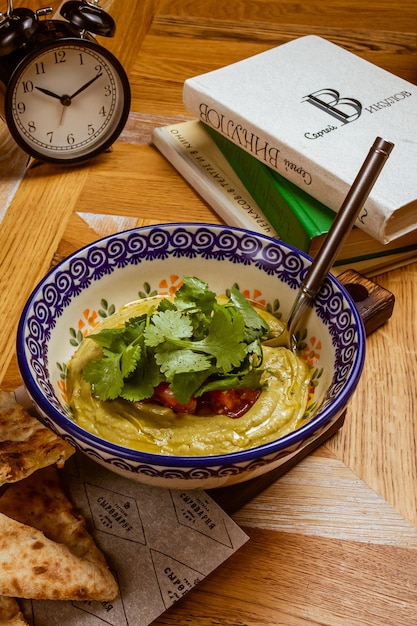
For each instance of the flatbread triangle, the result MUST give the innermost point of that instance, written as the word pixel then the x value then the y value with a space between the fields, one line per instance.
pixel 46 551
pixel 10 613
pixel 25 443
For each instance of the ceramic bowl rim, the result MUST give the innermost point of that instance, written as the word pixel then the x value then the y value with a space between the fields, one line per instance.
pixel 77 433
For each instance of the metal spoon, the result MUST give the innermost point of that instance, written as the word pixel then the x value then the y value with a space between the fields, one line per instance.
pixel 339 230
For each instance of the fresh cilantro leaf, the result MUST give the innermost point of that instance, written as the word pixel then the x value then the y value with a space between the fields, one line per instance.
pixel 166 305
pixel 174 360
pixel 224 341
pixel 110 339
pixel 134 328
pixel 141 384
pixel 167 325
pixel 116 340
pixel 186 385
pixel 253 321
pixel 195 293
pixel 255 353
pixel 197 301
pixel 130 358
pixel 121 352
pixel 105 377
pixel 251 380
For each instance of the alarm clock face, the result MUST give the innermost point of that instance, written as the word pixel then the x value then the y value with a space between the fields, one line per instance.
pixel 68 101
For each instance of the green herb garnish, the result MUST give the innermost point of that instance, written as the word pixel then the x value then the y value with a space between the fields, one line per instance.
pixel 192 342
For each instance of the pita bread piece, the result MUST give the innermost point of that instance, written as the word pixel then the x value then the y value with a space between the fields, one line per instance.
pixel 10 613
pixel 25 443
pixel 46 551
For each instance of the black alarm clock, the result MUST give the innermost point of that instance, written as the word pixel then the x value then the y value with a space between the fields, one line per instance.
pixel 64 97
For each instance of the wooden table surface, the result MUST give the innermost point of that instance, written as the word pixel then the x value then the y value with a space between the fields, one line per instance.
pixel 334 541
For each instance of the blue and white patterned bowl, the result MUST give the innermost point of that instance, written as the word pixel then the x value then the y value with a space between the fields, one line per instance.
pixel 98 279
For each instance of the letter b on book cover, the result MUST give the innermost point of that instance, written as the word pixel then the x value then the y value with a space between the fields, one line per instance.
pixel 328 100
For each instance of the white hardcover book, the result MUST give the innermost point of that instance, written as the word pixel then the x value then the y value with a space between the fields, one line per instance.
pixel 312 110
pixel 192 152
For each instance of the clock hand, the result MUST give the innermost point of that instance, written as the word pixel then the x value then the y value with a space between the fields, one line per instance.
pixel 87 84
pixel 61 119
pixel 48 93
pixel 66 100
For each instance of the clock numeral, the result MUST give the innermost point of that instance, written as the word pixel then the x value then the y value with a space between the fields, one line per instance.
pixel 98 68
pixel 90 129
pixel 27 86
pixel 31 127
pixel 70 139
pixel 107 90
pixel 50 135
pixel 81 58
pixel 40 68
pixel 21 107
pixel 102 112
pixel 59 56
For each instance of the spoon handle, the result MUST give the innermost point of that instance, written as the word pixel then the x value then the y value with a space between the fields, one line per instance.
pixel 341 226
